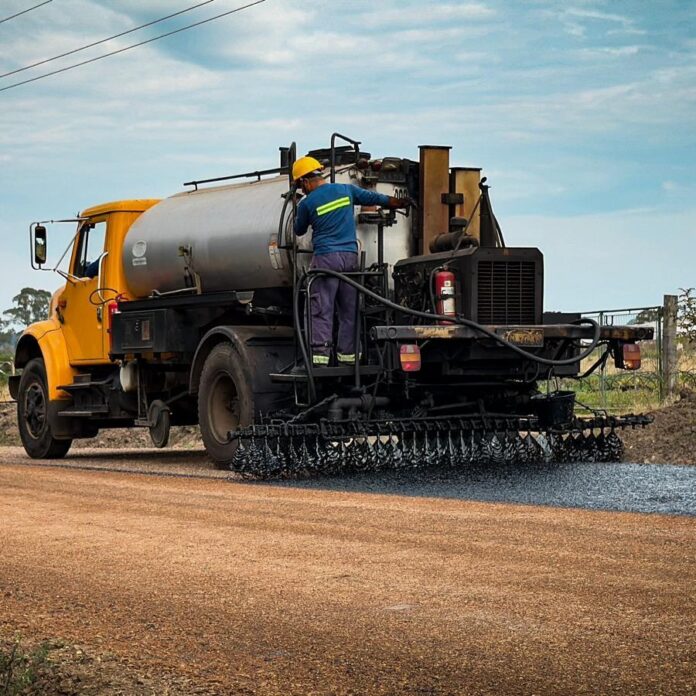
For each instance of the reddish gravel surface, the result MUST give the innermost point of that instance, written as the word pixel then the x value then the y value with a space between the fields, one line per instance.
pixel 178 586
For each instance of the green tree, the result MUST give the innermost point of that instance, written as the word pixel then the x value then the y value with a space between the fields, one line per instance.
pixel 647 316
pixel 687 313
pixel 30 305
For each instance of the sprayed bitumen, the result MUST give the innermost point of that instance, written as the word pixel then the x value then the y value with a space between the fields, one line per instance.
pixel 622 487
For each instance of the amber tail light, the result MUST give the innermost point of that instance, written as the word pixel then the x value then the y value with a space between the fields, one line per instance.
pixel 410 357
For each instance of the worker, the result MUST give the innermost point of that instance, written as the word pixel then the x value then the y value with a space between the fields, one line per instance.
pixel 328 210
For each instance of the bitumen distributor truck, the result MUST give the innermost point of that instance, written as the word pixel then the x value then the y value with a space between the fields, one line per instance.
pixel 191 310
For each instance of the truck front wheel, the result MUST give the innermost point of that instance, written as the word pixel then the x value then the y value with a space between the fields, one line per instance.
pixel 33 417
pixel 225 402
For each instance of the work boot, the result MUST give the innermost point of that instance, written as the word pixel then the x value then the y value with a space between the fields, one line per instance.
pixel 347 358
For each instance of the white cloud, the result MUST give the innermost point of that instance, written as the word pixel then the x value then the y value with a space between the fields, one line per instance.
pixel 610 51
pixel 427 12
pixel 576 20
pixel 595 14
pixel 629 31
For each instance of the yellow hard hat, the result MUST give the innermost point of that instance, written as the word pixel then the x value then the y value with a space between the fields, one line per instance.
pixel 304 166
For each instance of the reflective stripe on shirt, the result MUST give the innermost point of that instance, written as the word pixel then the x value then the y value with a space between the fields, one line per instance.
pixel 333 205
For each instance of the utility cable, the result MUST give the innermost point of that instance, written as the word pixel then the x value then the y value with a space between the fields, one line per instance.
pixel 109 38
pixel 17 14
pixel 136 45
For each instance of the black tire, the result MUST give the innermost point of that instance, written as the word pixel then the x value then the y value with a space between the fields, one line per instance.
pixel 33 416
pixel 225 402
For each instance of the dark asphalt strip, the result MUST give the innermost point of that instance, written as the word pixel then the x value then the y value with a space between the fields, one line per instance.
pixel 649 488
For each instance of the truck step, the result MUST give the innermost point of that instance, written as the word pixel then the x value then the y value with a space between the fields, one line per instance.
pixel 78 385
pixel 85 414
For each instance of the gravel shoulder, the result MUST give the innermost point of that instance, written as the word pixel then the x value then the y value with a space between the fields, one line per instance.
pixel 211 586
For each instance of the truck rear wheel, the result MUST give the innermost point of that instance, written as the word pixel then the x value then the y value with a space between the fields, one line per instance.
pixel 33 417
pixel 225 402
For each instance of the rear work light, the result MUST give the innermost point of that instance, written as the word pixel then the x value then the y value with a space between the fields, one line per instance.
pixel 410 357
pixel 628 357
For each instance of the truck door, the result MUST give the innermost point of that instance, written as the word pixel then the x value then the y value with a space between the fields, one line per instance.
pixel 80 308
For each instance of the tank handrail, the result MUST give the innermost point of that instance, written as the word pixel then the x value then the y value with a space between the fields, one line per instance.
pixel 258 174
pixel 354 143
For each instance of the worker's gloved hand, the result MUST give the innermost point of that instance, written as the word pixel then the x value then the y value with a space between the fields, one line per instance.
pixel 400 202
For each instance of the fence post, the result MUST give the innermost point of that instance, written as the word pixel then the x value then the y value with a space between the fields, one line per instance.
pixel 669 345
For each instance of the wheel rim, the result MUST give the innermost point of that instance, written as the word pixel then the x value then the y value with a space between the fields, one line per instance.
pixel 223 407
pixel 35 410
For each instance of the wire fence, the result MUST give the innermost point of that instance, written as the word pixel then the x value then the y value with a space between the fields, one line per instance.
pixel 613 389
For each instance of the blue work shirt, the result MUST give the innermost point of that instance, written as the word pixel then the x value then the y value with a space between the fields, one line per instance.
pixel 329 211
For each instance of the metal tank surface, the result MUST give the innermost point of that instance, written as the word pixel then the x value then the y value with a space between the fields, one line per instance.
pixel 228 236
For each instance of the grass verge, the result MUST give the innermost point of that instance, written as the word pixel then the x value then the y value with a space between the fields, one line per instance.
pixel 19 669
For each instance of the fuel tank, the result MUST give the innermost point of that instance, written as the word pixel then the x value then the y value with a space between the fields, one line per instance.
pixel 227 236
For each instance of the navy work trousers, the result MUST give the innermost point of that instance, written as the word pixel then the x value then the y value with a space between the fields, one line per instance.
pixel 329 294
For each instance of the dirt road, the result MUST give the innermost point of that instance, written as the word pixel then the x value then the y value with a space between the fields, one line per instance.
pixel 210 586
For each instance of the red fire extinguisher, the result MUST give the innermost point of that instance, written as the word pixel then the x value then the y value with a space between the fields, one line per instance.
pixel 444 294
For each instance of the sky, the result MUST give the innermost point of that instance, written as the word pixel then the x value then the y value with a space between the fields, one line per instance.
pixel 582 115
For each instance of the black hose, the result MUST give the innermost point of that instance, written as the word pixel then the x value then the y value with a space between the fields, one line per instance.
pixel 300 340
pixel 290 196
pixel 461 321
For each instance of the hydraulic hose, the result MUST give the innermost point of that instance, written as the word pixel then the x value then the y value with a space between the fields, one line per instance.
pixel 300 340
pixel 462 322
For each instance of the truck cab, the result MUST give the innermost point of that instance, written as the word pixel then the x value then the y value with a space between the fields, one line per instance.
pixel 75 336
pixel 95 279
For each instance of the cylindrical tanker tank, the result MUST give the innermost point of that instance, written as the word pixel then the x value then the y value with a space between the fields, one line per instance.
pixel 228 235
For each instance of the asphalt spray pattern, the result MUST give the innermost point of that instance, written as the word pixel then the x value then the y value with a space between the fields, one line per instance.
pixel 648 488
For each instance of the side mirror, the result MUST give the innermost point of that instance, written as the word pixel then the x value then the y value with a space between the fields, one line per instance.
pixel 40 245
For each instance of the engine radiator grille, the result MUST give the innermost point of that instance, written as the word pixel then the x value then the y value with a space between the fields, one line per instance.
pixel 506 292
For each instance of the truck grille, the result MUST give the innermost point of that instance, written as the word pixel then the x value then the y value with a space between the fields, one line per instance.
pixel 506 292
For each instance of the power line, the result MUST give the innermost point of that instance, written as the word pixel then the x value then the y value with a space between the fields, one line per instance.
pixel 128 48
pixel 101 41
pixel 17 14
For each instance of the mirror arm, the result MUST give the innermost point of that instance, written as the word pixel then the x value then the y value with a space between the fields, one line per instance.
pixel 64 274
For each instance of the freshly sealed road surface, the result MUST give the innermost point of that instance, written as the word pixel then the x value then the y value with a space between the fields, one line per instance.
pixel 339 586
